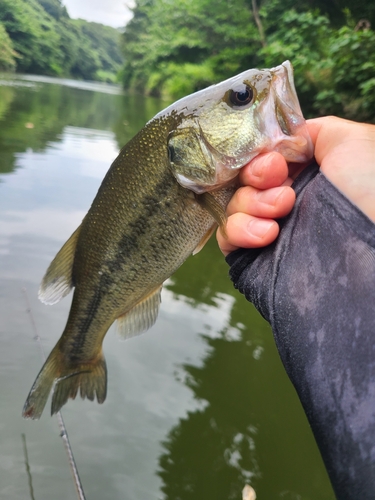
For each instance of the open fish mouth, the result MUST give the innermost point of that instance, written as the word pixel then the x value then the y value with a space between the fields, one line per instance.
pixel 282 118
pixel 282 123
pixel 293 140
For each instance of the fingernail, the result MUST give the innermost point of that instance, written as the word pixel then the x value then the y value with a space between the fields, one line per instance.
pixel 260 228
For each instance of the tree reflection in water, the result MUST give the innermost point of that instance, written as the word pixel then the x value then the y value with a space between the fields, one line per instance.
pixel 211 453
pixel 249 426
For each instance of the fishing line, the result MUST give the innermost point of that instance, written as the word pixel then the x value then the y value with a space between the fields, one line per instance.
pixel 63 431
pixel 28 472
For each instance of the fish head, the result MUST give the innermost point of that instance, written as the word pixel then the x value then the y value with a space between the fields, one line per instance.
pixel 220 129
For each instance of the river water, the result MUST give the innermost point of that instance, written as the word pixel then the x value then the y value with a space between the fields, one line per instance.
pixel 196 407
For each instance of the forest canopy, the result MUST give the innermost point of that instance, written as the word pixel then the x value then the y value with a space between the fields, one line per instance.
pixel 174 47
pixel 38 36
pixel 171 48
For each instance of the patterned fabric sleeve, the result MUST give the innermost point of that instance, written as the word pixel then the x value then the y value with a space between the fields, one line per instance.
pixel 316 287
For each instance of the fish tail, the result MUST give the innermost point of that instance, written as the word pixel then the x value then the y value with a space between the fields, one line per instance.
pixel 90 378
pixel 38 395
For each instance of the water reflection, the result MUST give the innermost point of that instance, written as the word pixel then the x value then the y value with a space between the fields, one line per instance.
pixel 33 115
pixel 196 407
pixel 222 456
pixel 249 426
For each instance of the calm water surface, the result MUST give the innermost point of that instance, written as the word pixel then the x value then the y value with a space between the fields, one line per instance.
pixel 198 406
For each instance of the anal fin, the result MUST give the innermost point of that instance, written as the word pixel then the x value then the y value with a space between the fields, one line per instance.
pixel 141 317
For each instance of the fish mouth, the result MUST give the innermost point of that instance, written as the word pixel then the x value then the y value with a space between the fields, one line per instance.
pixel 293 140
pixel 282 119
pixel 283 125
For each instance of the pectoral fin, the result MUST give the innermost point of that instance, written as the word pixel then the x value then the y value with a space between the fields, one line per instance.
pixel 204 240
pixel 141 317
pixel 58 281
pixel 213 207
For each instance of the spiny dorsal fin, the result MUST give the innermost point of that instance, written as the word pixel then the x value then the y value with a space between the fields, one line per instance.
pixel 141 317
pixel 57 281
pixel 213 207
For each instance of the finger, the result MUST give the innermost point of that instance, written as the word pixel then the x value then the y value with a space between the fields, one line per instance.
pixel 265 171
pixel 327 133
pixel 271 203
pixel 315 125
pixel 345 151
pixel 245 231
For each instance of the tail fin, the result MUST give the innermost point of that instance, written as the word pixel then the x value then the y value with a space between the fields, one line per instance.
pixel 90 378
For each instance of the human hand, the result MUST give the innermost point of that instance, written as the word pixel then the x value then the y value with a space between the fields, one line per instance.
pixel 344 150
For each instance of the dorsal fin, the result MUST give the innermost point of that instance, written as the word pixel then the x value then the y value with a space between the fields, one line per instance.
pixel 141 317
pixel 58 281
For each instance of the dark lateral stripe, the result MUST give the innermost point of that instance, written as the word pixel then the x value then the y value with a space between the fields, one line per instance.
pixel 127 249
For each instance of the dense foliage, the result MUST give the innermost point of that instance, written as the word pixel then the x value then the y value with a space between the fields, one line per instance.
pixel 7 54
pixel 38 36
pixel 173 47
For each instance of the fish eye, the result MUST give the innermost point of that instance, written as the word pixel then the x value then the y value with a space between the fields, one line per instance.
pixel 241 96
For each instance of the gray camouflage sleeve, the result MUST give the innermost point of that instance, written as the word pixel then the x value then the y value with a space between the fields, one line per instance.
pixel 316 287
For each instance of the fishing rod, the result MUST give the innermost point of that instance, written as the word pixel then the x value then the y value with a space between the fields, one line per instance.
pixel 62 427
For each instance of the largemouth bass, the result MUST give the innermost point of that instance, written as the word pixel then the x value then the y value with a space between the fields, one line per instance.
pixel 161 199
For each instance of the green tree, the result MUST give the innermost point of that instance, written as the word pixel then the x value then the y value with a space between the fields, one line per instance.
pixel 302 38
pixel 204 38
pixel 33 35
pixel 349 85
pixel 54 8
pixel 101 46
pixel 7 54
pixel 48 42
pixel 172 48
pixel 334 68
